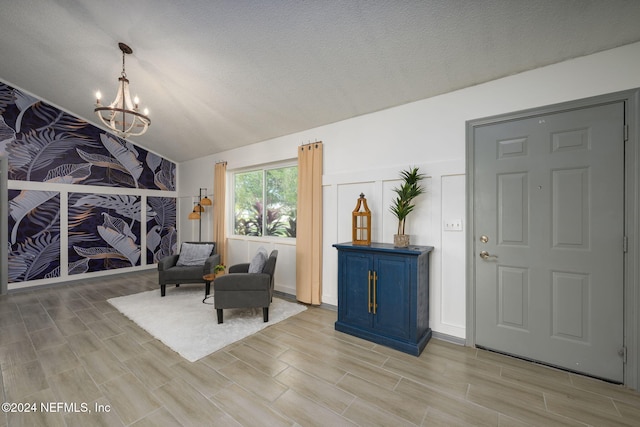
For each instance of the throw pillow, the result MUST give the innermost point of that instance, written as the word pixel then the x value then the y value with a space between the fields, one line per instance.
pixel 258 261
pixel 194 254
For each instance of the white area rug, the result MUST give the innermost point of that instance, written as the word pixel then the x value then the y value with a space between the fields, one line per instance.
pixel 181 321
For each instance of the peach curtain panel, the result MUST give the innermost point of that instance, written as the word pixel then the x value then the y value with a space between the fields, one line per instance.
pixel 309 225
pixel 219 209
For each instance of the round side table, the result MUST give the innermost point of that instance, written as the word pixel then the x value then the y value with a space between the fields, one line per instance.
pixel 208 278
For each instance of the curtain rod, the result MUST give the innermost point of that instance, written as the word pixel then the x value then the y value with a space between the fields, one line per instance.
pixel 302 144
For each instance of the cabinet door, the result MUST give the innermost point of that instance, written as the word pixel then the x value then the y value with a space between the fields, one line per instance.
pixel 354 288
pixel 393 296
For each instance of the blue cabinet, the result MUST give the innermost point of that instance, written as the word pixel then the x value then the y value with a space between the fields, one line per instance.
pixel 383 294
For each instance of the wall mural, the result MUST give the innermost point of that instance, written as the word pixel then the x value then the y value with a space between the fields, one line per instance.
pixel 34 235
pixel 46 145
pixel 104 232
pixel 161 228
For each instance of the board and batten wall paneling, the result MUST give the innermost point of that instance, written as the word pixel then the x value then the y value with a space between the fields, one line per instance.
pixel 452 310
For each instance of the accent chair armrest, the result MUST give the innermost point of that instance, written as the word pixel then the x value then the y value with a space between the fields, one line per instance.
pixel 239 268
pixel 167 262
pixel 242 282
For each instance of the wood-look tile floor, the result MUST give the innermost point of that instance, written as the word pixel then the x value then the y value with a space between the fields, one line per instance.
pixel 66 345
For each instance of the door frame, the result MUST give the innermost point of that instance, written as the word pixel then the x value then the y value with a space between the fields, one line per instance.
pixel 631 221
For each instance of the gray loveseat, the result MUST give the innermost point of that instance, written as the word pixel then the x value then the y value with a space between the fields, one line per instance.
pixel 169 273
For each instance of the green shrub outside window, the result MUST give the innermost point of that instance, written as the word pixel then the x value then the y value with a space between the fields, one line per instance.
pixel 265 202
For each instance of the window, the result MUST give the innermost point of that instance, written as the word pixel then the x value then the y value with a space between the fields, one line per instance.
pixel 265 202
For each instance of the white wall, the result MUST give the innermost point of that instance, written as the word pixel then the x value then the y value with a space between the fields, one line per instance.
pixel 366 153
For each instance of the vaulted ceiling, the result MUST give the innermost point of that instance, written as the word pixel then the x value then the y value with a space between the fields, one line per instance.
pixel 222 74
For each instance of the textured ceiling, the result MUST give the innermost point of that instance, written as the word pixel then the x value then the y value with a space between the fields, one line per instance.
pixel 222 74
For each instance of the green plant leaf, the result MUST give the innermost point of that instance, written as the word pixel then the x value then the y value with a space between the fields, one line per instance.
pixel 409 189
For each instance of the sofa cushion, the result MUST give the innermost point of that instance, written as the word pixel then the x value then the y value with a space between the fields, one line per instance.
pixel 258 261
pixel 194 254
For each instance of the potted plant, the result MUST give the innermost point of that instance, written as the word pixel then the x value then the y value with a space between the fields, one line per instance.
pixel 403 205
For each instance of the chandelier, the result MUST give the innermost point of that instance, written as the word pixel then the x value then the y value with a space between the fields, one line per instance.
pixel 122 116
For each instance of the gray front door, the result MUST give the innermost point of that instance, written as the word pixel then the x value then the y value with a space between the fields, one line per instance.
pixel 549 238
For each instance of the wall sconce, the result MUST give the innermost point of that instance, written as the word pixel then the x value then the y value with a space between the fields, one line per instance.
pixel 198 208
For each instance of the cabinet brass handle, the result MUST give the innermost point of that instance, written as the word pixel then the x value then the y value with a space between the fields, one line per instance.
pixel 369 293
pixel 375 291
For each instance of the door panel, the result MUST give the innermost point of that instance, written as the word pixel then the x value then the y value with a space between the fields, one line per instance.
pixel 549 195
pixel 392 296
pixel 513 209
pixel 355 309
pixel 570 219
pixel 571 304
pixel 513 297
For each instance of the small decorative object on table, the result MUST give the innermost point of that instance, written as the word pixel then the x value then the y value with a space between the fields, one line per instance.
pixel 361 223
pixel 402 206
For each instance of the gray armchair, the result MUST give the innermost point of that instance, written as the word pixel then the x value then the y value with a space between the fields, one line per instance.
pixel 169 273
pixel 240 289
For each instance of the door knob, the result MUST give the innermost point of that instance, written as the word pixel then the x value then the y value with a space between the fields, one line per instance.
pixel 486 255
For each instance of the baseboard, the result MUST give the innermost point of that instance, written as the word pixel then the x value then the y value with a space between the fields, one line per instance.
pixel 87 277
pixel 436 335
pixel 449 338
pixel 292 297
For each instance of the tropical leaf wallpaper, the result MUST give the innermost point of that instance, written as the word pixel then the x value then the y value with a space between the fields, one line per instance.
pixel 104 232
pixel 161 228
pixel 46 145
pixel 34 235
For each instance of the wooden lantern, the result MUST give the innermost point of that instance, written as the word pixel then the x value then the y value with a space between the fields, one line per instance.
pixel 361 223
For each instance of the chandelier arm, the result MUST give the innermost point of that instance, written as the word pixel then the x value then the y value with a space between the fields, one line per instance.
pixel 142 122
pixel 124 110
pixel 124 100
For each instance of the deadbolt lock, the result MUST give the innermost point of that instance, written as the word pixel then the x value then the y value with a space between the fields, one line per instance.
pixel 484 239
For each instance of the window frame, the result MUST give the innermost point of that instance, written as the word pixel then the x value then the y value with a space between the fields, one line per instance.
pixel 231 234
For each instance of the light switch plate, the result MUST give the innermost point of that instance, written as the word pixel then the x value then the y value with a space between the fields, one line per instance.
pixel 453 224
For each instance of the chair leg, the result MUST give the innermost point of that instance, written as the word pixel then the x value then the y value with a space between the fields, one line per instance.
pixel 265 314
pixel 219 312
pixel 163 290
